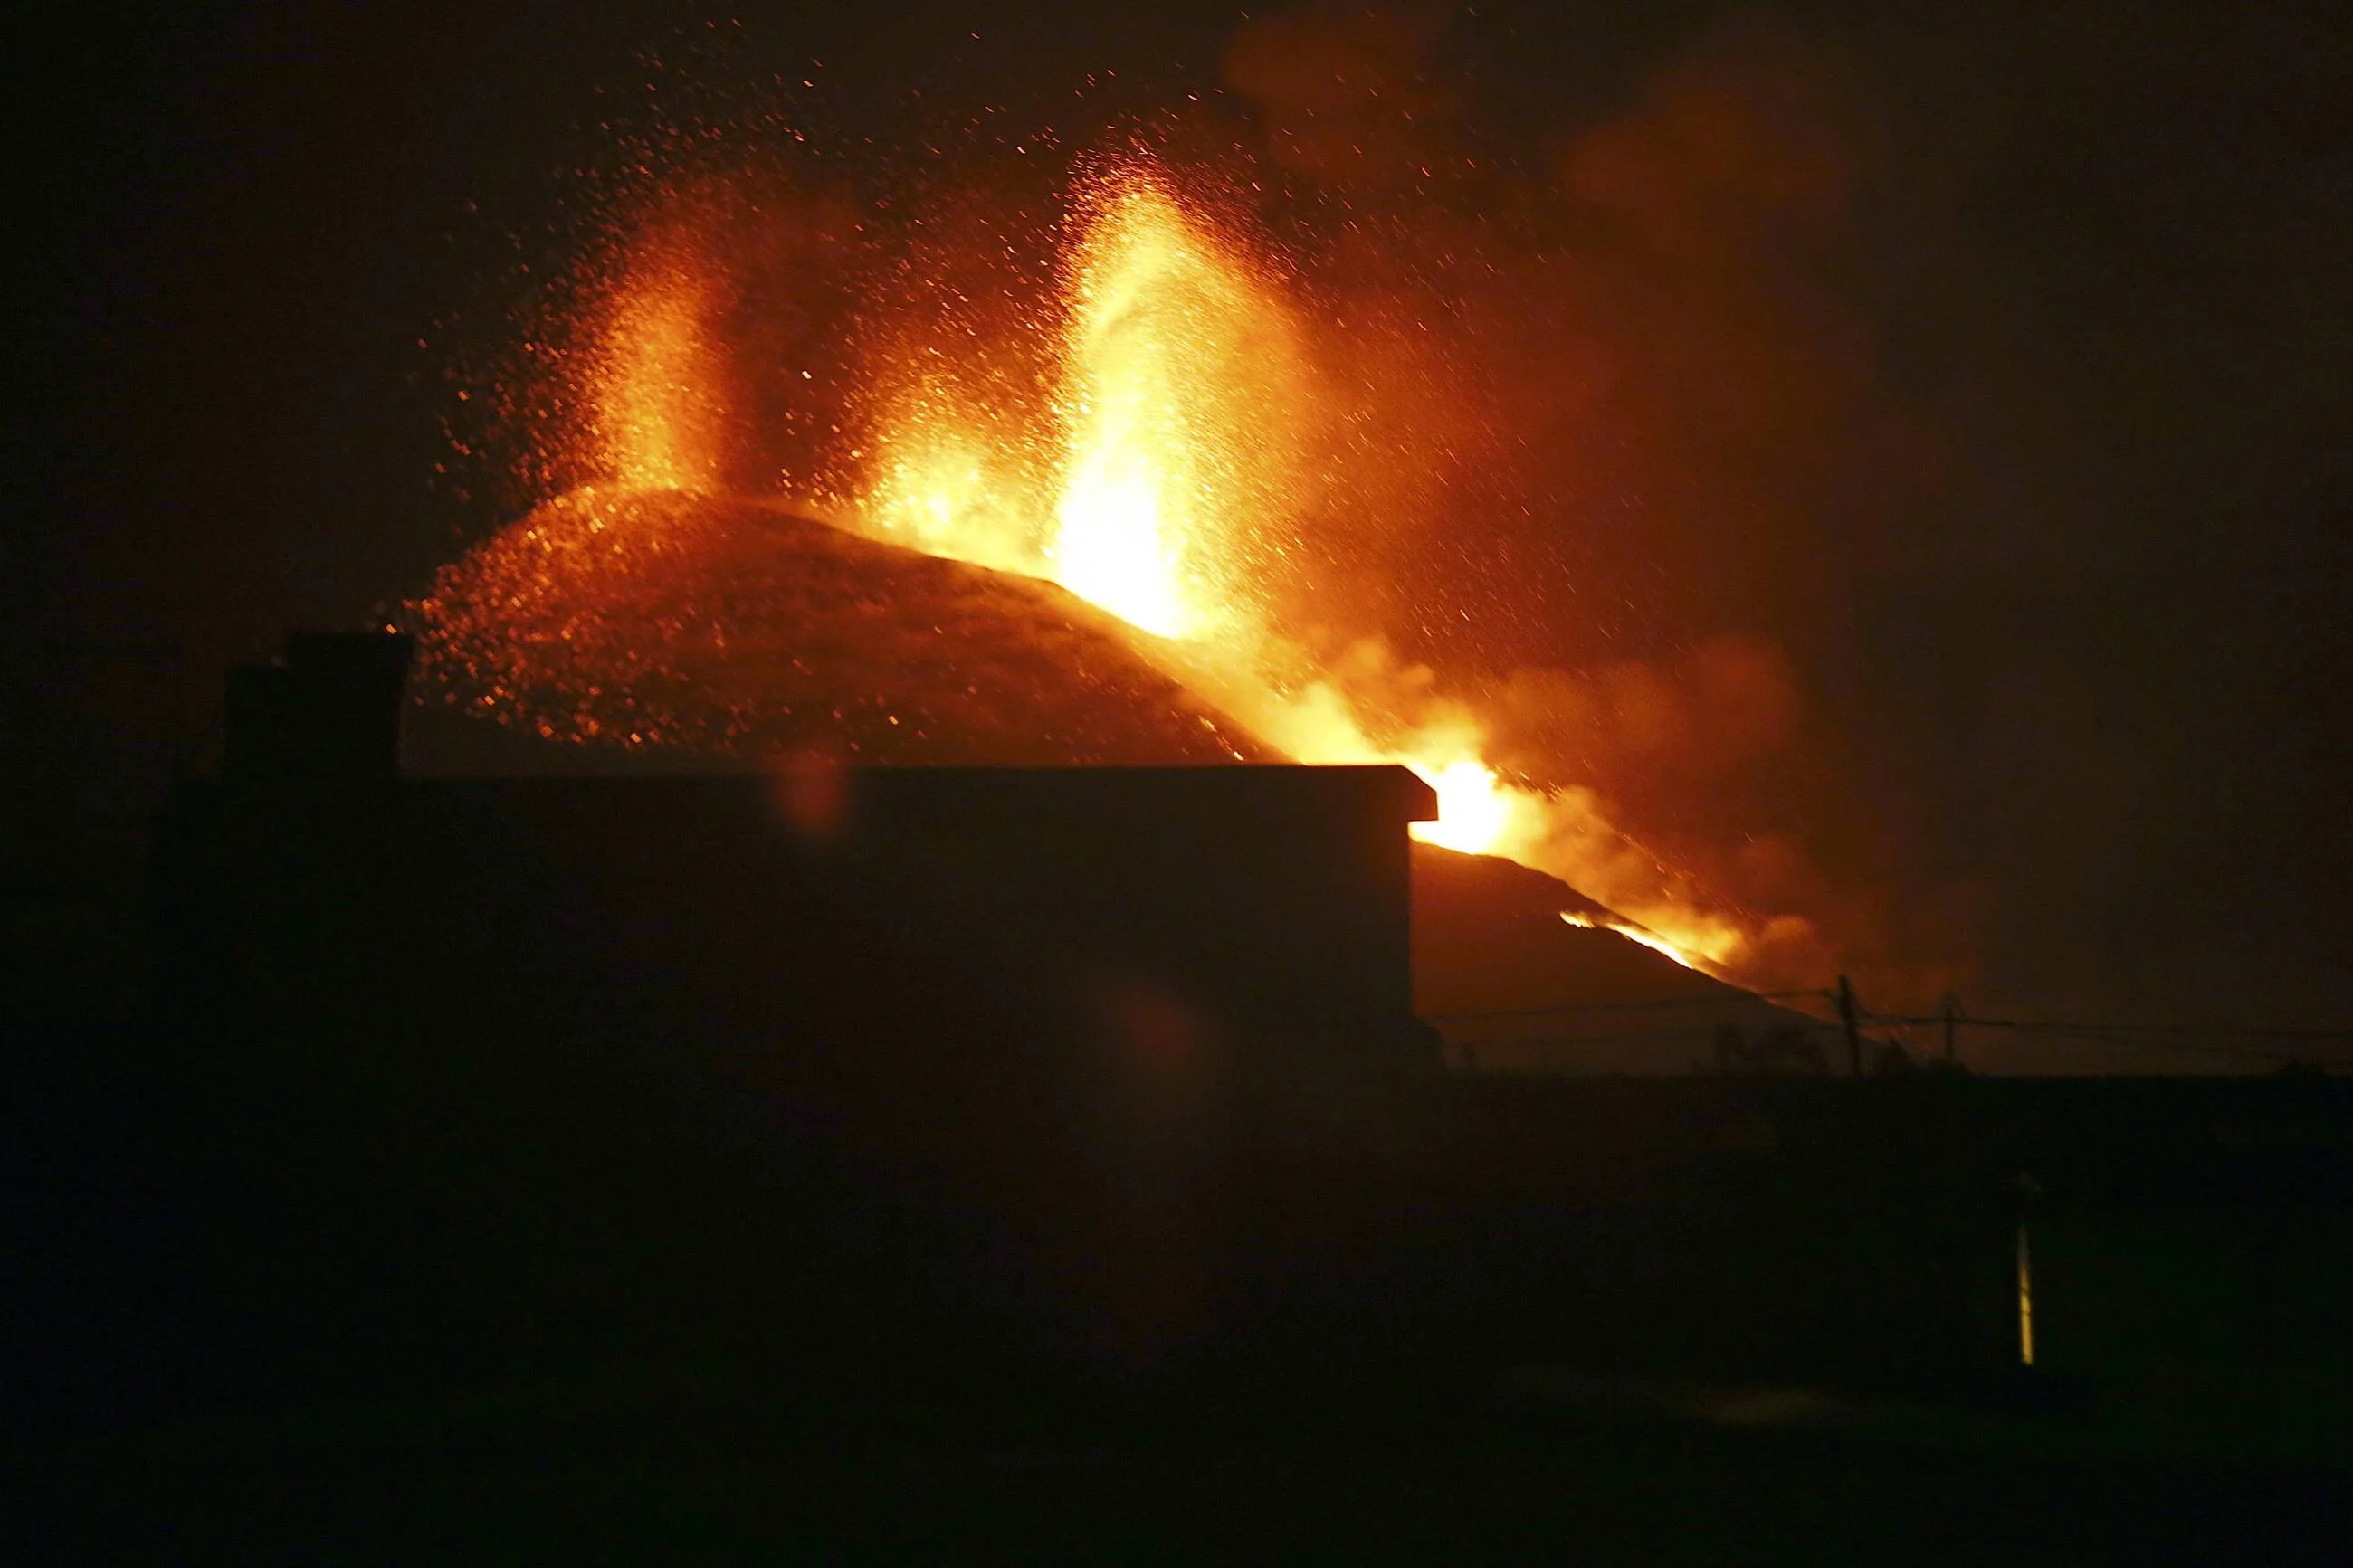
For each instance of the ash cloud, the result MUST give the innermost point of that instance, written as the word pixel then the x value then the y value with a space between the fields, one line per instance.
pixel 1643 378
pixel 1983 370
pixel 1343 94
pixel 1574 429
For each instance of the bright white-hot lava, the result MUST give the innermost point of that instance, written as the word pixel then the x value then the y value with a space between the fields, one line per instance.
pixel 1136 497
pixel 1472 808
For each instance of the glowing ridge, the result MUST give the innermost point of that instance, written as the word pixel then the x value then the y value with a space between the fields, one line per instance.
pixel 1633 933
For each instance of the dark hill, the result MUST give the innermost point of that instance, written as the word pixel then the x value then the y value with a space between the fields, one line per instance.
pixel 655 632
pixel 1516 986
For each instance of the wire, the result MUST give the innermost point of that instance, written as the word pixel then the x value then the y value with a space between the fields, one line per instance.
pixel 2210 1039
pixel 2102 1035
pixel 1520 1041
pixel 2208 1048
pixel 1571 1009
pixel 2065 1027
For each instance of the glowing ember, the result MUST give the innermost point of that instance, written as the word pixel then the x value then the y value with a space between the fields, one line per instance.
pixel 1178 386
pixel 1172 376
pixel 940 493
pixel 726 628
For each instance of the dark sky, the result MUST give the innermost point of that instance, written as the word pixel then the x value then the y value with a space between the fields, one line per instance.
pixel 2093 677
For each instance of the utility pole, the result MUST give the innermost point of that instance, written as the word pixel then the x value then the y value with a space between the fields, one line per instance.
pixel 1847 1016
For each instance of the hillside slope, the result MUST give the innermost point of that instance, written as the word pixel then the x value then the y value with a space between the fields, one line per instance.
pixel 651 622
pixel 655 632
pixel 1514 987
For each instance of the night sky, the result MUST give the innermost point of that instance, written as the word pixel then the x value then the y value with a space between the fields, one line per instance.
pixel 2061 569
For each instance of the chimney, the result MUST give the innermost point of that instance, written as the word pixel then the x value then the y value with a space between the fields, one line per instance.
pixel 325 714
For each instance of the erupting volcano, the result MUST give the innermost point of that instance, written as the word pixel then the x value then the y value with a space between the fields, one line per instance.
pixel 1055 516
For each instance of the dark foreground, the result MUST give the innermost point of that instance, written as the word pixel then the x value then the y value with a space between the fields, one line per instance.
pixel 1048 1163
pixel 1641 1322
pixel 666 1472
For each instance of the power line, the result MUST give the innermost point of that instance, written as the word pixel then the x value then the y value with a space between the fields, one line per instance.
pixel 2249 1032
pixel 1524 1041
pixel 2207 1047
pixel 2218 1039
pixel 2207 1038
pixel 2214 1042
pixel 1573 1008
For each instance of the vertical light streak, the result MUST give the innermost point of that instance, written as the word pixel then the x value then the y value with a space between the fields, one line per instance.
pixel 2025 1300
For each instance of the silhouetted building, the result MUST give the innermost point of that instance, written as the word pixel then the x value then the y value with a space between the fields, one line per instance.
pixel 1247 897
pixel 879 1088
pixel 529 1043
pixel 327 714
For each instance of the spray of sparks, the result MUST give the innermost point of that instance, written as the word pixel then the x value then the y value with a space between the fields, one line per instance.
pixel 1159 472
pixel 656 417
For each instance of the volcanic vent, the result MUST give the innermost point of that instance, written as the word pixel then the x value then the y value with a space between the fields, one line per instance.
pixel 1060 523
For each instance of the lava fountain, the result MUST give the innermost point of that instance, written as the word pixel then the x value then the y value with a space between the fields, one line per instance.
pixel 657 416
pixel 1162 463
pixel 1160 402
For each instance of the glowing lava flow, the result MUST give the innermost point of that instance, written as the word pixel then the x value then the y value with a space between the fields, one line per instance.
pixel 1633 933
